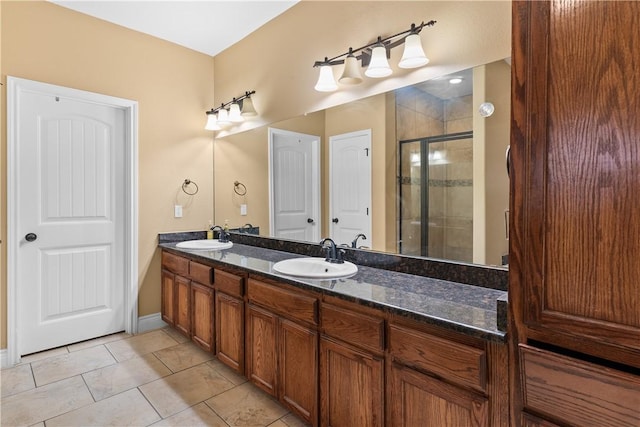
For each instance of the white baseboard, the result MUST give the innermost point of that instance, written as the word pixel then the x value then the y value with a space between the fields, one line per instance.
pixel 4 360
pixel 150 322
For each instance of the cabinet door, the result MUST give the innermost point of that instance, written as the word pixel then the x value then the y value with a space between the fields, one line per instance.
pixel 167 299
pixel 351 384
pixel 182 295
pixel 419 400
pixel 574 270
pixel 261 348
pixel 230 331
pixel 202 316
pixel 298 369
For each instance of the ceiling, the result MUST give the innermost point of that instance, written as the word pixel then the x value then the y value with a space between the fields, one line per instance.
pixel 207 26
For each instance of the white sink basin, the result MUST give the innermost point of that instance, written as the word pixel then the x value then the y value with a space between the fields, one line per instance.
pixel 208 244
pixel 315 268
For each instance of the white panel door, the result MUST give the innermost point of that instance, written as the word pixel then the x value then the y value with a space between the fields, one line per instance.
pixel 295 183
pixel 71 220
pixel 350 183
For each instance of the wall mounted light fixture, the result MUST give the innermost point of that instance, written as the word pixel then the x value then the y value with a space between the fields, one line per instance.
pixel 374 56
pixel 233 111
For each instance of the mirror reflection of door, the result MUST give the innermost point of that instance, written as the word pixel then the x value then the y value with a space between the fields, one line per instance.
pixel 350 187
pixel 436 196
pixel 294 185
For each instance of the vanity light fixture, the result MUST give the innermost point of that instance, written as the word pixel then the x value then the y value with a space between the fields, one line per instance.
pixel 233 111
pixel 374 56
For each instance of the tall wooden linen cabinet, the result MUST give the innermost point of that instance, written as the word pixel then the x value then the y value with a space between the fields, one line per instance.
pixel 574 291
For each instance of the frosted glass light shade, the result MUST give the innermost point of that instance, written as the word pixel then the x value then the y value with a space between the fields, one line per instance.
pixel 212 123
pixel 326 82
pixel 234 113
pixel 351 74
pixel 223 117
pixel 248 110
pixel 379 66
pixel 413 55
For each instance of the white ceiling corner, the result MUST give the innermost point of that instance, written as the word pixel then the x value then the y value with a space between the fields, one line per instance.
pixel 207 26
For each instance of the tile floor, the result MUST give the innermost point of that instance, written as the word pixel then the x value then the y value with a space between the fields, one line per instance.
pixel 157 378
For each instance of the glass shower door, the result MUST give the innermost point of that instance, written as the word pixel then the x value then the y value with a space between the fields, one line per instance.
pixel 436 197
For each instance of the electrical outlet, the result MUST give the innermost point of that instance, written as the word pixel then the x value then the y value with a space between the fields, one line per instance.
pixel 243 209
pixel 177 211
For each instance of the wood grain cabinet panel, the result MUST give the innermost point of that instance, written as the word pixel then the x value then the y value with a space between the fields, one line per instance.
pixel 202 316
pixel 200 273
pixel 229 283
pixel 349 326
pixel 261 348
pixel 229 326
pixel 578 392
pixel 298 369
pixel 167 298
pixel 286 303
pixel 419 400
pixel 176 264
pixel 352 386
pixel 458 363
pixel 183 305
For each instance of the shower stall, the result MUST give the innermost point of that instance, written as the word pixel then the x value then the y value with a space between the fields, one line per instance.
pixel 436 197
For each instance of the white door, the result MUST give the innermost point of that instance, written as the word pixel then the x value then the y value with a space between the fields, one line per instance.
pixel 294 171
pixel 70 220
pixel 350 184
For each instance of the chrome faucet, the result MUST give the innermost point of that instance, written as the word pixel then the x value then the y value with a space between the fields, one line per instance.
pixel 333 254
pixel 354 242
pixel 223 236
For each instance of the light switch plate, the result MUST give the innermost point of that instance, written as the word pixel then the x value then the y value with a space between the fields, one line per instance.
pixel 177 211
pixel 243 209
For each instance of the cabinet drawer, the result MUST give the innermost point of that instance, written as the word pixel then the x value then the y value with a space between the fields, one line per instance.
pixel 175 264
pixel 200 273
pixel 578 392
pixel 284 302
pixel 451 360
pixel 229 283
pixel 352 327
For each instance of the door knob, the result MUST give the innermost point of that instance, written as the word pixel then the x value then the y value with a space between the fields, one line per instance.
pixel 310 220
pixel 30 237
pixel 334 220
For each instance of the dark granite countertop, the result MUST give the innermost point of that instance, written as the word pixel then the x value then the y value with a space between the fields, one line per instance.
pixel 464 308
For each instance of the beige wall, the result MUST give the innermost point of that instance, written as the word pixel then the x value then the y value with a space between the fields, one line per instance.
pixel 277 60
pixel 173 86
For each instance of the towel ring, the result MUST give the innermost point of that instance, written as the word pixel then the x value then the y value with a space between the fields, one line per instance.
pixel 239 188
pixel 186 183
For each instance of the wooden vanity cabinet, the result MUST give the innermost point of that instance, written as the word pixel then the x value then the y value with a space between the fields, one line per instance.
pixel 351 366
pixel 282 345
pixel 202 316
pixel 436 380
pixel 574 275
pixel 229 319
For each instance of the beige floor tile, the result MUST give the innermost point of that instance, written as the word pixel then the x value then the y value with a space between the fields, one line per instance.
pixel 173 333
pixel 198 415
pixel 98 341
pixel 37 425
pixel 246 405
pixel 176 392
pixel 227 372
pixel 71 364
pixel 291 420
pixel 125 409
pixel 43 355
pixel 140 345
pixel 183 356
pixel 278 423
pixel 110 380
pixel 45 402
pixel 15 380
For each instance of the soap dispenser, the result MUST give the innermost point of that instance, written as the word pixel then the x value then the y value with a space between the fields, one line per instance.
pixel 226 225
pixel 210 230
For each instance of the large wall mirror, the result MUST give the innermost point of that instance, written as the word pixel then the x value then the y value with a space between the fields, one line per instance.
pixel 439 185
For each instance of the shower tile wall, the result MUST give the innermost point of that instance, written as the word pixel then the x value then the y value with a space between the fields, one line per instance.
pixel 422 115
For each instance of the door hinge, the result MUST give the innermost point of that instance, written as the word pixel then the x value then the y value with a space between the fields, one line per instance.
pixel 367 211
pixel 366 151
